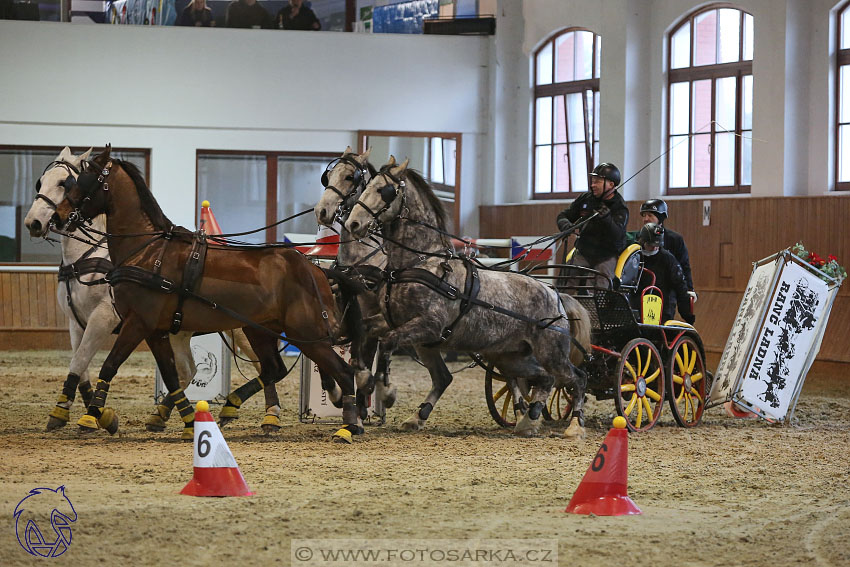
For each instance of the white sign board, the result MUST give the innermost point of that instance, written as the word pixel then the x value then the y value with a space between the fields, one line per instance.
pixel 212 370
pixel 313 400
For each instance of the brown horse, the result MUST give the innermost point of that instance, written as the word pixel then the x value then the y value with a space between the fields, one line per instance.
pixel 168 279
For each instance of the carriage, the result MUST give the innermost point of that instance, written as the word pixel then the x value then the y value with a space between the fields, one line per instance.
pixel 635 359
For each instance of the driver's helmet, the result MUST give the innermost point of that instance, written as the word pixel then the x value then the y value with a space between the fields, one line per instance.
pixel 657 207
pixel 651 238
pixel 608 171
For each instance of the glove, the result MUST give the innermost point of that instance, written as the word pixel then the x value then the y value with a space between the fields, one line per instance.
pixel 689 318
pixel 694 296
pixel 602 210
pixel 564 224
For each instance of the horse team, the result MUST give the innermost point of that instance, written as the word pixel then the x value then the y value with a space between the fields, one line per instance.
pixel 397 282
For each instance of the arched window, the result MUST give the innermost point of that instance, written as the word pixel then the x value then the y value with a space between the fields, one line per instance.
pixel 566 113
pixel 710 103
pixel 842 111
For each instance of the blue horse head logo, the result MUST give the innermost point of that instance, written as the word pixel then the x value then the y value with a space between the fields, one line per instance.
pixel 32 514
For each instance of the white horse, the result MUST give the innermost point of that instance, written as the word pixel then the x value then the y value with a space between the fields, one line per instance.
pixel 86 300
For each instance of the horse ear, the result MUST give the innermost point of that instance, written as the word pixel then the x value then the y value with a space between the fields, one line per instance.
pixel 365 155
pixel 402 167
pixel 347 151
pixel 86 155
pixel 65 154
pixel 107 150
pixel 391 162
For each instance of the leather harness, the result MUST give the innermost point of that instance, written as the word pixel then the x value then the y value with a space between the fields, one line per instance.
pixel 81 267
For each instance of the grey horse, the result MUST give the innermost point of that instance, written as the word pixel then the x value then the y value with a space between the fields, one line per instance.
pixel 434 300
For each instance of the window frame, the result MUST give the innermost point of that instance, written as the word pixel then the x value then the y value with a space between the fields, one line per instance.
pixel 737 70
pixel 54 150
pixel 842 59
pixel 553 90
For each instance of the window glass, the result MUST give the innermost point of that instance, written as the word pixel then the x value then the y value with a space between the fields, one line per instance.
pixel 584 55
pixel 437 160
pixel 845 29
pixel 578 166
pixel 701 161
pixel 705 38
pixel 565 61
pixel 544 65
pixel 543 175
pixel 598 43
pixel 544 120
pixel 724 161
pixel 747 102
pixel 560 120
pixel 844 153
pixel 575 116
pixel 729 35
pixel 748 38
pixel 681 48
pixel 844 100
pixel 747 159
pixel 680 110
pixel 725 98
pixel 449 162
pixel 235 186
pixel 562 168
pixel 678 161
pixel 701 120
pixel 298 188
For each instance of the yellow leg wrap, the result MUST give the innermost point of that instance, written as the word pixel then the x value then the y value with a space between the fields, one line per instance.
pixel 229 412
pixel 188 418
pixel 234 400
pixel 109 421
pixel 62 399
pixel 271 419
pixel 343 436
pixel 188 434
pixel 63 414
pixel 87 422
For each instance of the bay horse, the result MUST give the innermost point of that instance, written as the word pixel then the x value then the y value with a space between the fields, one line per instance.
pixel 84 298
pixel 344 180
pixel 167 279
pixel 435 300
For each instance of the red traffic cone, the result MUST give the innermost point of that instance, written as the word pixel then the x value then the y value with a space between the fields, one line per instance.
pixel 216 471
pixel 208 222
pixel 603 490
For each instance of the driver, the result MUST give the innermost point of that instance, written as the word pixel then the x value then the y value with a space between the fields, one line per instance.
pixel 668 273
pixel 601 240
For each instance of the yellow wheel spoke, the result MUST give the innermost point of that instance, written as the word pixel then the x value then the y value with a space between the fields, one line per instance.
pixel 648 360
pixel 627 388
pixel 631 405
pixel 505 406
pixel 678 379
pixel 695 394
pixel 679 363
pixel 648 409
pixel 653 376
pixel 500 393
pixel 688 407
pixel 631 370
pixel 696 377
pixel 637 354
pixel 639 419
pixel 652 394
pixel 681 394
pixel 692 362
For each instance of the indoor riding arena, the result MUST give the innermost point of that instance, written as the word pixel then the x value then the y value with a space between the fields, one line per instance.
pixel 424 283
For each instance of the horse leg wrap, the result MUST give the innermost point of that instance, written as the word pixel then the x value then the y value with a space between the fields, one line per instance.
pixel 69 389
pixel 520 406
pixel 187 414
pixel 350 413
pixel 161 413
pixel 579 414
pixel 535 410
pixel 271 421
pixel 98 400
pixel 244 392
pixel 425 410
pixel 86 393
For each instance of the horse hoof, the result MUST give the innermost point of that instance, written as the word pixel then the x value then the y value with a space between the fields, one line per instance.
pixel 575 431
pixel 87 423
pixel 527 427
pixel 343 436
pixel 390 397
pixel 413 424
pixel 155 423
pixel 54 423
pixel 109 421
pixel 188 434
pixel 227 414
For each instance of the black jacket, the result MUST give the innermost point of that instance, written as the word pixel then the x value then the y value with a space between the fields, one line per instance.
pixel 305 20
pixel 671 281
pixel 241 15
pixel 604 237
pixel 675 244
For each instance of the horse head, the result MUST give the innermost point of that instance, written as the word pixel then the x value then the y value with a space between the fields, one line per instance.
pixel 59 176
pixel 343 180
pixel 381 201
pixel 87 196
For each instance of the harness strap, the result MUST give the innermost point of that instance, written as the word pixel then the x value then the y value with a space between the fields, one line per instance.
pixel 192 272
pixel 470 292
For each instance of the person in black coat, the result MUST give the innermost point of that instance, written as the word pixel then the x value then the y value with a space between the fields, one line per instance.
pixel 197 14
pixel 295 16
pixel 655 210
pixel 668 273
pixel 247 14
pixel 601 240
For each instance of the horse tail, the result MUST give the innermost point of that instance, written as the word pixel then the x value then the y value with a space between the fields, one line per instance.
pixel 579 326
pixel 346 289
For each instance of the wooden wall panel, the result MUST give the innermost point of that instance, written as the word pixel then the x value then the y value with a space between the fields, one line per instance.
pixel 753 228
pixel 29 315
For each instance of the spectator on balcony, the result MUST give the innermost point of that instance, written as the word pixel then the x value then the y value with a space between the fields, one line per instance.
pixel 296 16
pixel 197 14
pixel 247 14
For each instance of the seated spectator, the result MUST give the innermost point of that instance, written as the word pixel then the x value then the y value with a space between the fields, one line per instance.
pixel 247 14
pixel 297 17
pixel 668 273
pixel 197 14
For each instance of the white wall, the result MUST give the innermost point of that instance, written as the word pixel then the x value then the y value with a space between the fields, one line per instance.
pixel 175 90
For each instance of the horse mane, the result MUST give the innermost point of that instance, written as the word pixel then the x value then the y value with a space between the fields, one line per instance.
pixel 416 179
pixel 149 205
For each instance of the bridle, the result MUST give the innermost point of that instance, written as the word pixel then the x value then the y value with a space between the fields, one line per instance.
pixel 89 182
pixel 358 180
pixel 67 184
pixel 389 192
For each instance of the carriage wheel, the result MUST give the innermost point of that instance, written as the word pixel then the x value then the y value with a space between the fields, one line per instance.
pixel 500 401
pixel 640 385
pixel 687 382
pixel 560 404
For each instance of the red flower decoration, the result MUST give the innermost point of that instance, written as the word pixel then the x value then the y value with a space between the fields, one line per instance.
pixel 832 258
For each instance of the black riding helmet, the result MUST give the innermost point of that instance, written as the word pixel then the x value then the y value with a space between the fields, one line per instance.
pixel 651 234
pixel 608 171
pixel 657 207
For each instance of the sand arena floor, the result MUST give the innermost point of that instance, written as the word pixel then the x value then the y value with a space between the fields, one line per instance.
pixel 729 492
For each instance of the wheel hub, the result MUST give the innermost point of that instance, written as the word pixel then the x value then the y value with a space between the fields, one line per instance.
pixel 640 387
pixel 688 384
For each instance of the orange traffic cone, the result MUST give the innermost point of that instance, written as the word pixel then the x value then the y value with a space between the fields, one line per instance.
pixel 208 222
pixel 603 490
pixel 732 410
pixel 216 472
pixel 327 243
